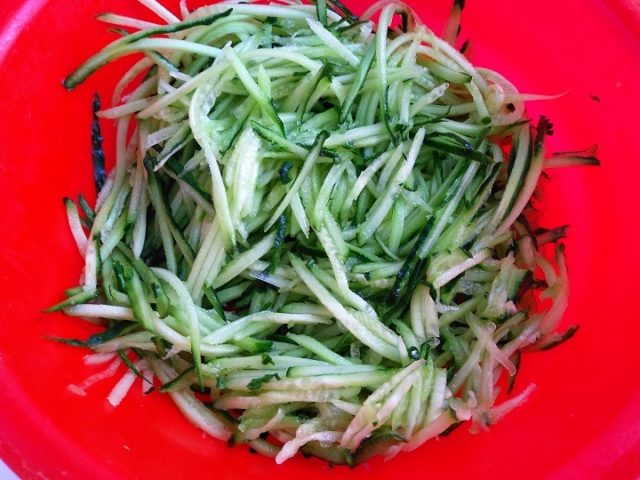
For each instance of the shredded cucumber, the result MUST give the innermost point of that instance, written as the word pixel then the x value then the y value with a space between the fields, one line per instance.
pixel 325 226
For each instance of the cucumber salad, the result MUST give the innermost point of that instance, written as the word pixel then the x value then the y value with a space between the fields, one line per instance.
pixel 317 235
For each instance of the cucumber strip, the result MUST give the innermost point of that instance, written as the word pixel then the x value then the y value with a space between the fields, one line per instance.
pixel 531 180
pixel 77 299
pixel 202 101
pixel 311 87
pixel 379 442
pixel 97 151
pixel 384 203
pixel 341 314
pixel 332 454
pixel 70 292
pixel 246 174
pixel 332 42
pixel 323 382
pixel 243 261
pixel 448 275
pixel 255 322
pixel 517 171
pixel 111 312
pixel 142 311
pixel 307 166
pixel 258 362
pixel 374 412
pixel 153 288
pixel 321 11
pixel 202 417
pixel 184 307
pixel 280 140
pixel 97 61
pixel 322 199
pixel 310 371
pixel 162 217
pixel 363 180
pixel 75 225
pixel 447 212
pixel 381 65
pixel 231 401
pixel 318 349
pixel 265 103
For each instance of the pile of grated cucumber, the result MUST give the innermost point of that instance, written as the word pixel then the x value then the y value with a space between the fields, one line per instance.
pixel 315 233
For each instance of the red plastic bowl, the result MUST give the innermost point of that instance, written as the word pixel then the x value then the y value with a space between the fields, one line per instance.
pixel 583 420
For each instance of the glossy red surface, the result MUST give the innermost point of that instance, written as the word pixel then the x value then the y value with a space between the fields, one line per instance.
pixel 582 422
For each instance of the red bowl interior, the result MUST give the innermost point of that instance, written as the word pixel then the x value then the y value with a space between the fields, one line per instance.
pixel 582 421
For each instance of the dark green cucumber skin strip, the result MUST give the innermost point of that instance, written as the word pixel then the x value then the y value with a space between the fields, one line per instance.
pixel 81 73
pixel 77 299
pixel 451 429
pixel 512 379
pixel 283 172
pixel 183 246
pixel 341 9
pixel 167 387
pixel 256 383
pixel 130 365
pixel 97 151
pixel 213 299
pixel 333 454
pixel 281 230
pixel 263 447
pixel 410 263
pixel 380 441
pixel 86 208
pixel 115 330
pixel 321 11
pixel 70 292
pixel 460 150
pixel 173 165
pixel 571 331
